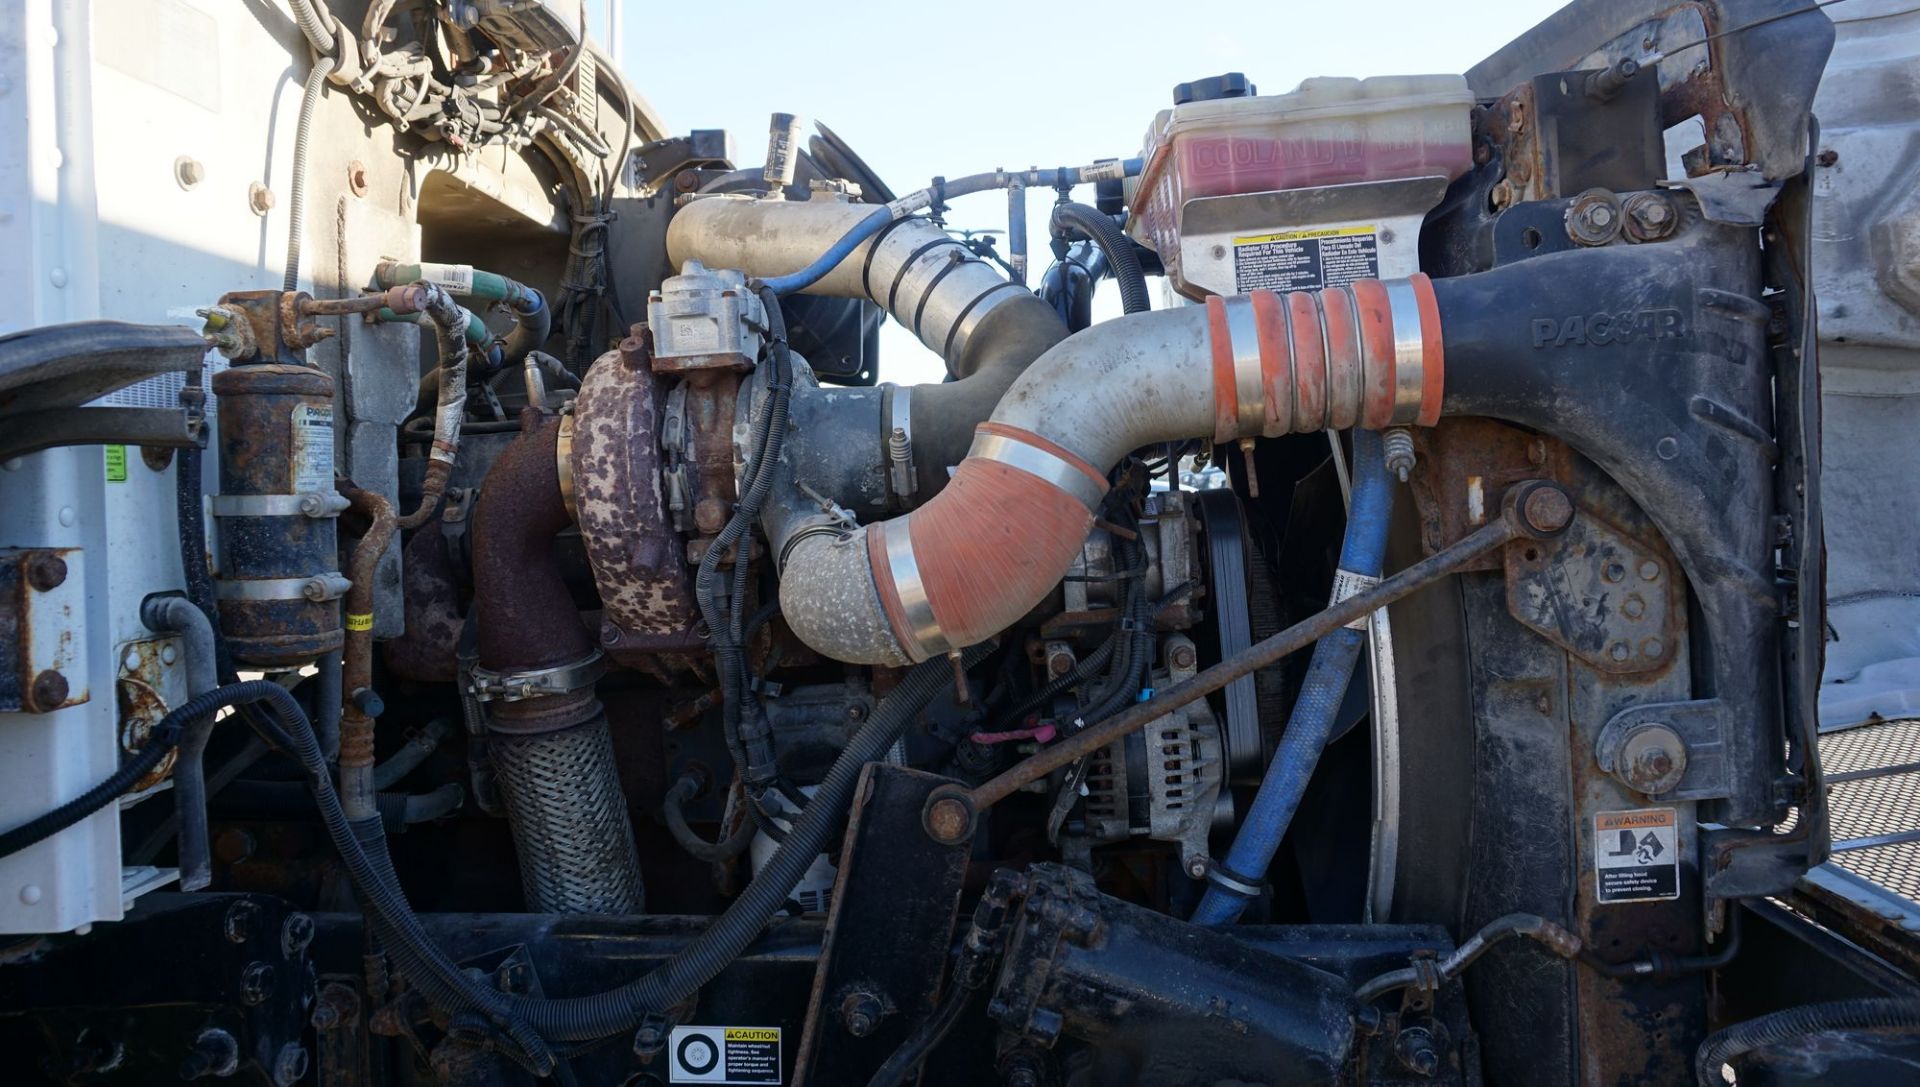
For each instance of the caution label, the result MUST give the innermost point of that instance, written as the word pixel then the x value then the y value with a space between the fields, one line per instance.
pixel 1306 260
pixel 1636 855
pixel 724 1055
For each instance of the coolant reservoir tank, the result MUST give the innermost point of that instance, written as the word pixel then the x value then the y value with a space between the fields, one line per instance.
pixel 1356 150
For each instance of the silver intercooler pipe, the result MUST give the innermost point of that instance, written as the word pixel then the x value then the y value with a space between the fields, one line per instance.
pixel 986 329
pixel 989 547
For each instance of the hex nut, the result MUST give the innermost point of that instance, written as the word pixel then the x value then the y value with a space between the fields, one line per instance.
pixel 260 198
pixel 949 818
pixel 1547 509
pixel 188 172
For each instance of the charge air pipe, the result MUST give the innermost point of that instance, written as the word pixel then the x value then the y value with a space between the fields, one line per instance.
pixel 988 548
pixel 986 329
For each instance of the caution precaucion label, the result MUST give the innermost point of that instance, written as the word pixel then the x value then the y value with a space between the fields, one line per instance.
pixel 724 1055
pixel 1306 260
pixel 1636 855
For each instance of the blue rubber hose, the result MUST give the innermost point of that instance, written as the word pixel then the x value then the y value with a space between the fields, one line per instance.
pixel 829 260
pixel 1315 711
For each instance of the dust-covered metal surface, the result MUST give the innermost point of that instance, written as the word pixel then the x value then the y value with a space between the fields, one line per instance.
pixel 43 660
pixel 639 562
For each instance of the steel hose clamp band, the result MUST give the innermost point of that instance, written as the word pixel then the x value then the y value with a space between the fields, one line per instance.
pixel 1409 351
pixel 1250 387
pixel 1231 881
pixel 315 504
pixel 318 589
pixel 1042 464
pixel 490 686
pixel 922 627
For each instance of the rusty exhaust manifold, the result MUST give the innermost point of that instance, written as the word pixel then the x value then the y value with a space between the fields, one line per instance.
pixel 995 541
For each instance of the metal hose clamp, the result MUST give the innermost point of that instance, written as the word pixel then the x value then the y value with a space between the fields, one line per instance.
pixel 1249 385
pixel 1045 464
pixel 491 686
pixel 1409 350
pixel 922 627
pixel 1231 881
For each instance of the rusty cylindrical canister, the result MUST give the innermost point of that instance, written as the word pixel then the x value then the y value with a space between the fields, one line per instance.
pixel 278 578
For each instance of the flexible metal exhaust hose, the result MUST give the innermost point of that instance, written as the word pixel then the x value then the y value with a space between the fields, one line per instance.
pixel 569 819
pixel 998 538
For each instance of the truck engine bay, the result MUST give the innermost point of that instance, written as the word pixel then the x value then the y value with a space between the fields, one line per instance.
pixel 1389 652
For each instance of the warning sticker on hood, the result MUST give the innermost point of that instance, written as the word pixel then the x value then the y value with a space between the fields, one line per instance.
pixel 1636 855
pixel 1306 260
pixel 724 1055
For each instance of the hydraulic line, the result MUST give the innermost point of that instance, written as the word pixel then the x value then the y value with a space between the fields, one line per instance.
pixel 1071 220
pixel 450 407
pixel 1315 711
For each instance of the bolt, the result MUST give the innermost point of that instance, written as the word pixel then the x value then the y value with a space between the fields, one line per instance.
pixel 686 181
pixel 1415 1048
pixel 1600 215
pixel 1397 447
pixel 290 1065
pixel 259 198
pixel 1613 571
pixel 1652 765
pixel 649 1040
pixel 1653 648
pixel 256 983
pixel 949 818
pixel 296 933
pixel 1827 157
pixel 861 1012
pixel 46 572
pixel 1619 651
pixel 856 712
pixel 188 172
pixel 1183 656
pixel 1649 570
pixel 1197 868
pixel 1547 509
pixel 239 920
pixel 49 690
pixel 1650 217
pixel 1634 606
pixel 214 1053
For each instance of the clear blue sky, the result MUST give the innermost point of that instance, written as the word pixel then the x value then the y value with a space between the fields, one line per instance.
pixel 924 89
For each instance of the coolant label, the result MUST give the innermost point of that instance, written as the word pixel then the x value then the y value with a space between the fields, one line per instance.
pixel 1636 855
pixel 1306 260
pixel 724 1055
pixel 312 452
pixel 454 278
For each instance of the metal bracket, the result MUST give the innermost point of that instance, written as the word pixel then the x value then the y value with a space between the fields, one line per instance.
pixel 490 686
pixel 1700 727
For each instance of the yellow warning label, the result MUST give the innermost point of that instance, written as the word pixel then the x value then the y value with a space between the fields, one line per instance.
pixel 752 1034
pixel 359 622
pixel 1304 235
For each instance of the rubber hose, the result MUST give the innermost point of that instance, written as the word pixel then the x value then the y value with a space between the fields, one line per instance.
pixel 1318 705
pixel 616 1011
pixel 162 739
pixel 899 1067
pixel 297 190
pixel 1070 219
pixel 829 260
pixel 689 839
pixel 1878 1014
